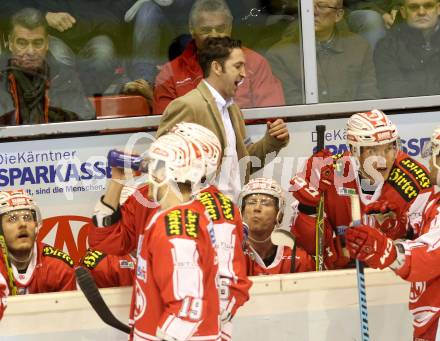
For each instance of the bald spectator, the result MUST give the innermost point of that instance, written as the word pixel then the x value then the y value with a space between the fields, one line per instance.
pixel 212 18
pixel 408 58
pixel 344 60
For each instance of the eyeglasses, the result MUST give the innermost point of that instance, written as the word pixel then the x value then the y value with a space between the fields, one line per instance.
pixel 14 217
pixel 324 8
pixel 265 202
pixel 427 6
pixel 208 29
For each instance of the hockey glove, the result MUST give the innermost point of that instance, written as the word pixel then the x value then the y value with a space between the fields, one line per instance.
pixel 371 246
pixel 384 214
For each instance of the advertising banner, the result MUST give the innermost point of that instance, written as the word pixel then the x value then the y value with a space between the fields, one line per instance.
pixel 67 176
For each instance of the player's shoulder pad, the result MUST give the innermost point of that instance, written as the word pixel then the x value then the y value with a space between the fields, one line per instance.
pixel 182 222
pixel 210 204
pixel 226 205
pixel 50 251
pixel 92 258
pixel 409 178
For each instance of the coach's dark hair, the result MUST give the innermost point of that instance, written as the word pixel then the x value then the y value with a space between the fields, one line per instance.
pixel 216 49
pixel 29 18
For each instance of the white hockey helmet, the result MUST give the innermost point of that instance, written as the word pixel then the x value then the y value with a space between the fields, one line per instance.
pixel 264 186
pixel 19 200
pixel 432 148
pixel 371 128
pixel 181 160
pixel 207 141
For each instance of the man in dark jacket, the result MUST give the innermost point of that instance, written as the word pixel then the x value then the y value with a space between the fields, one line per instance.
pixel 34 87
pixel 408 58
pixel 344 60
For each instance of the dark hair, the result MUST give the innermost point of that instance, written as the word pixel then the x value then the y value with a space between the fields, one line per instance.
pixel 29 18
pixel 216 49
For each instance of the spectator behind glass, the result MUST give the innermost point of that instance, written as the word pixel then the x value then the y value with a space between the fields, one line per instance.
pixel 87 28
pixel 344 60
pixel 262 204
pixel 211 105
pixel 35 87
pixel 212 18
pixel 408 58
pixel 36 267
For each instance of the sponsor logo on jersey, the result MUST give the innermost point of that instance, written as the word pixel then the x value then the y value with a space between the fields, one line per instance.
pixel 210 205
pixel 55 253
pixel 403 184
pixel 191 223
pixel 417 290
pixel 92 258
pixel 419 174
pixel 141 270
pixel 173 223
pixel 125 264
pixel 226 205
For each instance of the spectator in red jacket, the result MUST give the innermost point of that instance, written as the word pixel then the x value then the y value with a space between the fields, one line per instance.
pixel 212 18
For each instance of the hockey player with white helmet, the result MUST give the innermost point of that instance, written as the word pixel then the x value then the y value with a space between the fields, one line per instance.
pixel 175 293
pixel 415 261
pixel 393 187
pixel 29 266
pixel 228 226
pixel 262 204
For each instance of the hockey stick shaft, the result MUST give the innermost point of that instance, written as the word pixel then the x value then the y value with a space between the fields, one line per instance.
pixel 5 254
pixel 362 293
pixel 320 130
pixel 92 294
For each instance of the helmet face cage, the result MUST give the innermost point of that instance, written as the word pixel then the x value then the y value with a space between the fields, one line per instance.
pixel 264 186
pixel 19 200
pixel 369 129
pixel 206 140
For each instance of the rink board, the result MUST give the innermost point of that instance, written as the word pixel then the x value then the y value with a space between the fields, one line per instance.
pixel 303 307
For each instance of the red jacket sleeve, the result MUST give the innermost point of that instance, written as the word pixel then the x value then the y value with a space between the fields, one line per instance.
pixel 164 89
pixel 265 87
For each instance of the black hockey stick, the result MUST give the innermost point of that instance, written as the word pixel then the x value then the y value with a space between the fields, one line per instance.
pixel 4 249
pixel 320 130
pixel 91 292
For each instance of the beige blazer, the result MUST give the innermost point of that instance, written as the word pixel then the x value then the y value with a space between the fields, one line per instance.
pixel 199 106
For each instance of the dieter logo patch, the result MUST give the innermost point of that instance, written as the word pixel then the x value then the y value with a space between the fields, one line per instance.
pixel 173 223
pixel 210 206
pixel 55 253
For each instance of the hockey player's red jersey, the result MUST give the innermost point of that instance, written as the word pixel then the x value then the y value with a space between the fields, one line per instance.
pixel 408 187
pixel 109 270
pixel 50 270
pixel 422 268
pixel 3 292
pixel 122 237
pixel 281 263
pixel 175 285
pixel 228 228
